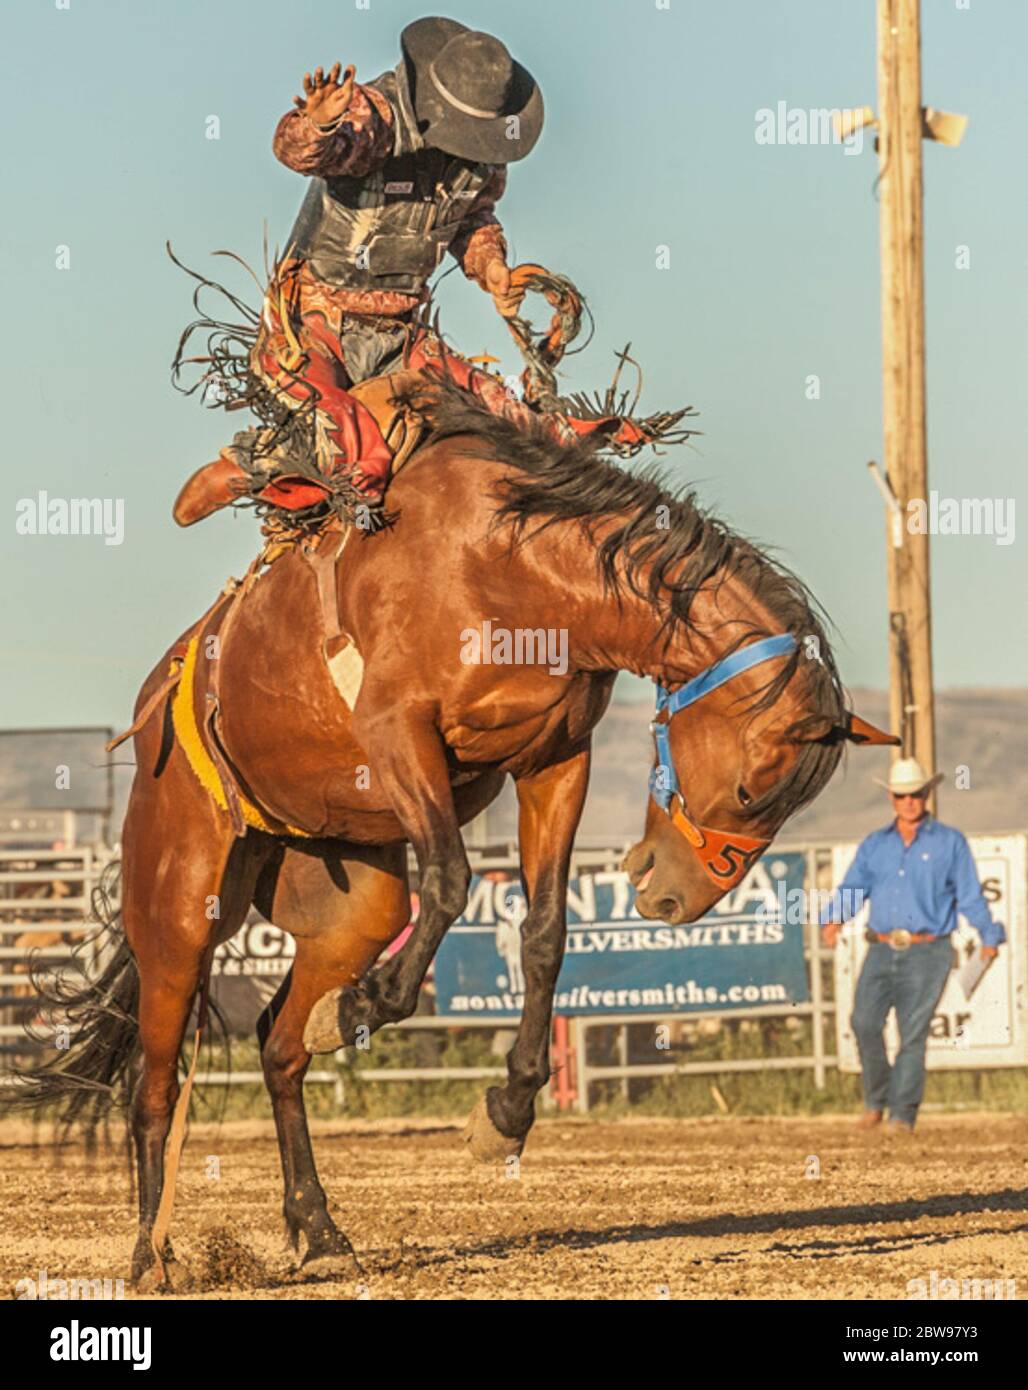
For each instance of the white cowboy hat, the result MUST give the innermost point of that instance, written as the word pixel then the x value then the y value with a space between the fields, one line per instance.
pixel 906 776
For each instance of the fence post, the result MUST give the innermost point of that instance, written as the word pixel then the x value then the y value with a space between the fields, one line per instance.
pixel 562 1080
pixel 816 991
pixel 623 1056
pixel 580 1036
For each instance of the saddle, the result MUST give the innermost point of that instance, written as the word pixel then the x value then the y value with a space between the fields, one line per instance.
pixel 390 401
pixel 401 405
pixel 387 400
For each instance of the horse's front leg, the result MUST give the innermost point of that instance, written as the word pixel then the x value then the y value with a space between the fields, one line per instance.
pixel 550 806
pixel 410 758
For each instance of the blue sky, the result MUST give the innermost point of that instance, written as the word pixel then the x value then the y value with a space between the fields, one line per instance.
pixel 649 141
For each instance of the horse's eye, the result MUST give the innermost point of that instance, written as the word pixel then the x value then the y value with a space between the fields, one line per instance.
pixel 744 796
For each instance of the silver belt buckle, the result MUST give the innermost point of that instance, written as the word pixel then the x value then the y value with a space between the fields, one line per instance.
pixel 899 939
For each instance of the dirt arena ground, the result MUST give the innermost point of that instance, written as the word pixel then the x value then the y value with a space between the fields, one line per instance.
pixel 639 1209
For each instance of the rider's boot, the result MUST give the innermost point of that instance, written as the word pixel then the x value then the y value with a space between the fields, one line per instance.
pixel 211 487
pixel 224 481
pixel 629 435
pixel 615 428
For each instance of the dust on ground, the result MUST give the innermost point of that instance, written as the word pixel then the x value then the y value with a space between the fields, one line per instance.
pixel 635 1209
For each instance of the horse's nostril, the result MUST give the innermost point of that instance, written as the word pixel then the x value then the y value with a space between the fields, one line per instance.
pixel 666 908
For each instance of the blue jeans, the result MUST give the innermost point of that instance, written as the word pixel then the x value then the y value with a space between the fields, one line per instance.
pixel 911 982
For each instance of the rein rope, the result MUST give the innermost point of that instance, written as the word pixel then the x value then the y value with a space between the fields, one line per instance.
pixel 544 351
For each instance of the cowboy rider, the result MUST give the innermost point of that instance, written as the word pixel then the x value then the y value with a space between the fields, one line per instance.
pixel 402 169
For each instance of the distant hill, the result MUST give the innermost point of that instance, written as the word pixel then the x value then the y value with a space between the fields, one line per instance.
pixel 984 730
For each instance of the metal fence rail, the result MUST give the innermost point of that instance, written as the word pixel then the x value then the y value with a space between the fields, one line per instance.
pixel 346 1072
pixel 819 1011
pixel 28 910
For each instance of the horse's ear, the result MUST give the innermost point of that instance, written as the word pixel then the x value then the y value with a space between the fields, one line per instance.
pixel 858 730
pixel 853 728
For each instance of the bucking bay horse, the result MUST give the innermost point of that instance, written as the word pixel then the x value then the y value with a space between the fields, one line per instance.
pixel 258 783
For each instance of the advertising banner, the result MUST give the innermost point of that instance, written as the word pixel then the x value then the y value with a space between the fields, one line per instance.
pixel 747 952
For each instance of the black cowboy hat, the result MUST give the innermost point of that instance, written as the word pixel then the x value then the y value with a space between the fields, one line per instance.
pixel 470 97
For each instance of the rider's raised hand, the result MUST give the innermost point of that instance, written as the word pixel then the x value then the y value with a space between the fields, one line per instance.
pixel 325 98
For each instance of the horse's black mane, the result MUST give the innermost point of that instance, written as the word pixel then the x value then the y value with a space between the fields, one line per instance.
pixel 569 482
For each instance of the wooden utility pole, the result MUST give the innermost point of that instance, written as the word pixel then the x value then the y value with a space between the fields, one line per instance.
pixel 903 368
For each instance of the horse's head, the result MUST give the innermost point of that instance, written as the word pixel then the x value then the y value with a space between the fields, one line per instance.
pixel 729 771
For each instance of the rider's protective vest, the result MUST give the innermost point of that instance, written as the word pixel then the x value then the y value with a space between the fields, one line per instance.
pixel 389 229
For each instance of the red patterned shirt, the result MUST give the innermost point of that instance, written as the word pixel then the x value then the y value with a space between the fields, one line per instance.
pixel 355 144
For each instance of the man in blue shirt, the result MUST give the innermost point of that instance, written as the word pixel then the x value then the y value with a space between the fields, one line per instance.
pixel 918 875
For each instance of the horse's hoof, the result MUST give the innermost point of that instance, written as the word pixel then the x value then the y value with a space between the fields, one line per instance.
pixel 149 1282
pixel 173 1278
pixel 338 1265
pixel 486 1143
pixel 322 1032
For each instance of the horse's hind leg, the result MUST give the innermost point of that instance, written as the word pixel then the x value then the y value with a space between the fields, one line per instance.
pixel 285 1062
pixel 179 898
pixel 343 907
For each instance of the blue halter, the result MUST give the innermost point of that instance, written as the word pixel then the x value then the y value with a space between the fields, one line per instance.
pixel 744 659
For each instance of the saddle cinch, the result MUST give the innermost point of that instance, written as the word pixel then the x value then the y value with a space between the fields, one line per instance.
pixel 192 680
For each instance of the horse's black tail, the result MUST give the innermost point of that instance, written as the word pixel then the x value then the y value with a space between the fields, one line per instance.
pixel 91 1018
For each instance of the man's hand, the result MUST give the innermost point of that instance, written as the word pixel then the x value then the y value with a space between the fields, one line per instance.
pixel 830 934
pixel 990 952
pixel 497 281
pixel 325 99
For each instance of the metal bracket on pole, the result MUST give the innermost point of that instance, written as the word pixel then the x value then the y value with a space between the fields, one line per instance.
pixel 945 127
pixel 891 501
pixel 847 122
